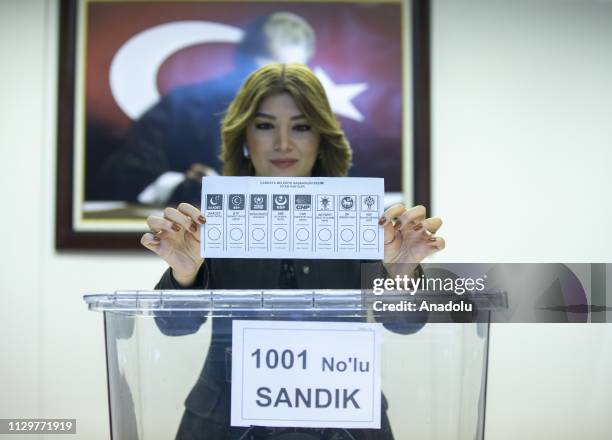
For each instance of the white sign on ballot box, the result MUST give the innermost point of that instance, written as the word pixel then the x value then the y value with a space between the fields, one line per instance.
pixel 292 217
pixel 306 374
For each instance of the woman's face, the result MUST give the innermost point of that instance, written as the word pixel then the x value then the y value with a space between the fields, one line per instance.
pixel 280 140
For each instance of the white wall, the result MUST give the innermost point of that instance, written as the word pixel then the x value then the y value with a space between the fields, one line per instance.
pixel 52 361
pixel 522 145
pixel 21 143
pixel 521 141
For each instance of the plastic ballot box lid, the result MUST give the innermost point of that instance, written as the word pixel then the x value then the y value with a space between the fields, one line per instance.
pixel 303 302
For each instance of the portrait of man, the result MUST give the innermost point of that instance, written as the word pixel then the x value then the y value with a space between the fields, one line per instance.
pixel 156 89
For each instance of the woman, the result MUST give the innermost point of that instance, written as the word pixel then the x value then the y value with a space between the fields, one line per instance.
pixel 279 124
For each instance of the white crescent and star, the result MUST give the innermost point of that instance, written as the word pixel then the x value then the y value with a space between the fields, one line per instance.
pixel 134 68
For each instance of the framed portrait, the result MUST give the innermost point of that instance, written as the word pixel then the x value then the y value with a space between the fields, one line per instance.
pixel 143 86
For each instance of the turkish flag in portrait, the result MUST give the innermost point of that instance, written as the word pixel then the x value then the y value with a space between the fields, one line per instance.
pixel 145 60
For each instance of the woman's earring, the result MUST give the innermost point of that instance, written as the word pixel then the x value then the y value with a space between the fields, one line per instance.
pixel 245 151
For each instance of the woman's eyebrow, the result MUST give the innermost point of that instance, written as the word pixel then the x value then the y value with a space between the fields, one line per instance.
pixel 268 116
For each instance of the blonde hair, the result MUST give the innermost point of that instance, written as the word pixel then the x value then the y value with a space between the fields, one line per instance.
pixel 298 80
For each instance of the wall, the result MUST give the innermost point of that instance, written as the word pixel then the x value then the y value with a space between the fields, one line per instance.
pixel 521 142
pixel 52 361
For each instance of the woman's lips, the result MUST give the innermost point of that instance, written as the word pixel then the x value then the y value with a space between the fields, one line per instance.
pixel 283 163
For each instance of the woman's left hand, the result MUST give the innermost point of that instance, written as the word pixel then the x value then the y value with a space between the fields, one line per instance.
pixel 409 235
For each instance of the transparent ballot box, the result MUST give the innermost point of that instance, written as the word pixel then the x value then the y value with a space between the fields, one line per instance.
pixel 293 365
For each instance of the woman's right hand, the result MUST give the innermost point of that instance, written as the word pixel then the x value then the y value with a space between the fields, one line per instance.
pixel 176 238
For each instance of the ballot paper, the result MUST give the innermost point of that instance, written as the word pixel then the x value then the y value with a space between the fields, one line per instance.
pixel 292 217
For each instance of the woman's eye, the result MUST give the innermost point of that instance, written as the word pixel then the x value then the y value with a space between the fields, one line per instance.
pixel 302 127
pixel 263 126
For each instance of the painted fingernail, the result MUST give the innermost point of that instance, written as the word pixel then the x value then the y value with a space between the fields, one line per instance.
pixel 193 227
pixel 201 219
pixel 431 239
pixel 418 227
pixel 382 220
pixel 176 227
